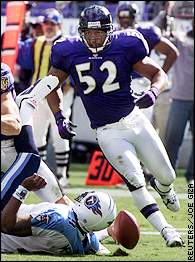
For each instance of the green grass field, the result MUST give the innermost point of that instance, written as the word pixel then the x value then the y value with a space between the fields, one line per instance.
pixel 151 246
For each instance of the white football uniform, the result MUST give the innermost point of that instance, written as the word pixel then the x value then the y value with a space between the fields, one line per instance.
pixel 9 162
pixel 131 139
pixel 16 166
pixel 53 231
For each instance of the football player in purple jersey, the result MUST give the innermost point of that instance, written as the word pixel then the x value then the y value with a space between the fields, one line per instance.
pixel 101 62
pixel 126 18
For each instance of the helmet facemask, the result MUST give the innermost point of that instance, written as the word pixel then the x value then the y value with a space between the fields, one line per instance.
pixel 96 28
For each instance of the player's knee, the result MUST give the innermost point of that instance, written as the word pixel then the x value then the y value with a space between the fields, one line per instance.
pixel 169 178
pixel 135 180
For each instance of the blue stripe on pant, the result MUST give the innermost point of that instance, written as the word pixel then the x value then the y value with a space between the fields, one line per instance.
pixel 25 165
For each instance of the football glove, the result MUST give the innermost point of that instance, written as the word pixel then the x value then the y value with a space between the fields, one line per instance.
pixel 148 99
pixel 64 126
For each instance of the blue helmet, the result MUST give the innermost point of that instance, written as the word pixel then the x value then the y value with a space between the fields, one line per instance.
pixel 127 10
pixel 97 18
pixel 127 14
pixel 52 15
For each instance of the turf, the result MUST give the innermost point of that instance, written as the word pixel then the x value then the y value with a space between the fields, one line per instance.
pixel 151 247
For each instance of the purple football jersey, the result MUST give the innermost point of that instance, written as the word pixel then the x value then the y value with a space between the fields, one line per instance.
pixel 103 81
pixel 152 34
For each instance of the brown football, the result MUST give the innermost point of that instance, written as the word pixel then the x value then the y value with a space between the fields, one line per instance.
pixel 126 229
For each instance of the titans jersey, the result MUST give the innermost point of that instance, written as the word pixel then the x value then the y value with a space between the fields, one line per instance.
pixel 103 80
pixel 54 231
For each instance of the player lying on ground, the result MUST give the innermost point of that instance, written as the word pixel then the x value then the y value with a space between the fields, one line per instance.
pixel 101 62
pixel 53 227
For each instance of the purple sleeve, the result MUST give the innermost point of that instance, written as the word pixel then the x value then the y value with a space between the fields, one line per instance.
pixel 152 34
pixel 140 48
pixel 58 58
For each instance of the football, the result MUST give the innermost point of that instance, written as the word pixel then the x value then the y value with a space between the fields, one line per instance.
pixel 126 229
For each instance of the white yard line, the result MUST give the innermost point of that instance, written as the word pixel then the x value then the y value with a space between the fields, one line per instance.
pixel 116 192
pixel 157 233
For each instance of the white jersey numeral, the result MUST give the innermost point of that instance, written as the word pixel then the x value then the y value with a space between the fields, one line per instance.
pixel 108 85
pixel 86 79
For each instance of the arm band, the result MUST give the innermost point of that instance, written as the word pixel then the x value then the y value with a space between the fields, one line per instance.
pixel 21 193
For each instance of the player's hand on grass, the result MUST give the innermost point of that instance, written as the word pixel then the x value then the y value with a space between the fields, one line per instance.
pixel 65 126
pixel 34 182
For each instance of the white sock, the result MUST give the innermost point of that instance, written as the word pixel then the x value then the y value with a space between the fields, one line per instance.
pixel 142 197
pixel 158 221
pixel 61 171
pixel 147 204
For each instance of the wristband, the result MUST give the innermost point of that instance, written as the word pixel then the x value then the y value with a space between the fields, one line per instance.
pixel 21 193
pixel 155 91
pixel 58 115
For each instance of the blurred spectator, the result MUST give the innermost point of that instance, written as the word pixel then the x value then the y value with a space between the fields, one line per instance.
pixel 151 9
pixel 182 94
pixel 164 20
pixel 36 29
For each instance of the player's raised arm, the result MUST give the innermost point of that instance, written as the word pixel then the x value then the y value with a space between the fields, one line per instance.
pixel 55 101
pixel 159 80
pixel 168 49
pixel 10 222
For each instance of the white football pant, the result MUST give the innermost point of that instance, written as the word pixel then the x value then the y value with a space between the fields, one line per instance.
pixel 43 117
pixel 133 139
pixel 51 192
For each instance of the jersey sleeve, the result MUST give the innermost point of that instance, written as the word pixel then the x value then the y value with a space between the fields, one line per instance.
pixel 139 47
pixel 152 34
pixel 59 56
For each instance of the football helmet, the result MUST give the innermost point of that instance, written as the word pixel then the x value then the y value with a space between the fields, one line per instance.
pixel 127 14
pixel 96 17
pixel 94 210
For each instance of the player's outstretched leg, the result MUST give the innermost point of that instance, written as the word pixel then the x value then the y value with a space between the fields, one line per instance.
pixel 122 156
pixel 24 166
pixel 28 100
pixel 154 156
